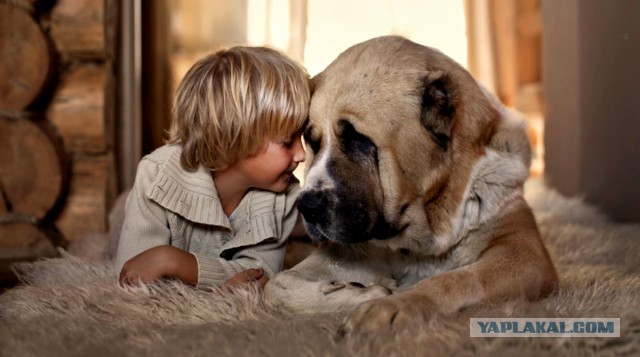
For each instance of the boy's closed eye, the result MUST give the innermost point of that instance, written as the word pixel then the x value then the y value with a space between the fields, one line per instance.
pixel 288 142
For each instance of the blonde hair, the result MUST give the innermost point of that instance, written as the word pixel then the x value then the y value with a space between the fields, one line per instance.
pixel 230 101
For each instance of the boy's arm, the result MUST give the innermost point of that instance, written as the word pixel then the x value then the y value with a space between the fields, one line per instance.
pixel 166 261
pixel 163 261
pixel 267 256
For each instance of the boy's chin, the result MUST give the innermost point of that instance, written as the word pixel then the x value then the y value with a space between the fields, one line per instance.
pixel 279 186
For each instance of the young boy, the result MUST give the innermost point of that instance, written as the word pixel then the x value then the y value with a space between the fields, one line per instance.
pixel 216 204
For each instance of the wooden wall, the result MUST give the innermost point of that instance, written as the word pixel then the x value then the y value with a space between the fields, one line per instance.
pixel 57 100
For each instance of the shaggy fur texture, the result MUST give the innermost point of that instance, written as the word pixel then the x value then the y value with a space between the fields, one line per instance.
pixel 72 306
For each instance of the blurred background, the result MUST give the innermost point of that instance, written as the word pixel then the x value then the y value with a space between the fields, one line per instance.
pixel 498 41
pixel 86 87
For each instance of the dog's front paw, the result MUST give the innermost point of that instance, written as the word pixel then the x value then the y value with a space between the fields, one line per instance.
pixel 300 293
pixel 387 314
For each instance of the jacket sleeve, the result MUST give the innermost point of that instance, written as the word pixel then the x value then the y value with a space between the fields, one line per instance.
pixel 145 222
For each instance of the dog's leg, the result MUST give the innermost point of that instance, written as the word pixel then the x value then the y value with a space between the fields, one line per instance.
pixel 330 280
pixel 515 264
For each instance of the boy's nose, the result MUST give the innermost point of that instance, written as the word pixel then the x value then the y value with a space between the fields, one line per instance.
pixel 299 153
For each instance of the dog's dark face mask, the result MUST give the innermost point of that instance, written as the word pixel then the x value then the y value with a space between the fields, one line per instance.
pixel 342 199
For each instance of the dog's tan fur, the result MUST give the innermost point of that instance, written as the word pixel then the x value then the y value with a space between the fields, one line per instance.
pixel 443 165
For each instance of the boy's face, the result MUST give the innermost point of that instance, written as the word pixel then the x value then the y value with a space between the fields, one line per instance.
pixel 271 168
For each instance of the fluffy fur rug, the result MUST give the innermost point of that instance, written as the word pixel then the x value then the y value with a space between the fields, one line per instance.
pixel 72 306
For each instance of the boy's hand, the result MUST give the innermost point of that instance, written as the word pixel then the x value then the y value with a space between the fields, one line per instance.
pixel 248 276
pixel 160 262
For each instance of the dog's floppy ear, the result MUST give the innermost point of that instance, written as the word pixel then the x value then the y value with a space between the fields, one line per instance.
pixel 438 107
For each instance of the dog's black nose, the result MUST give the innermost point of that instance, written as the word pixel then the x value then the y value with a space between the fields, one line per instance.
pixel 313 206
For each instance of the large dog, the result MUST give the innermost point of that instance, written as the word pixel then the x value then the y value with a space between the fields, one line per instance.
pixel 414 184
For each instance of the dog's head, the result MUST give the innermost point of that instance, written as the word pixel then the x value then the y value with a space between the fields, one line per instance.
pixel 398 136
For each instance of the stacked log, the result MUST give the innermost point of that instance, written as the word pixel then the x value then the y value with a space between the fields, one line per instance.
pixel 31 167
pixel 78 29
pixel 56 141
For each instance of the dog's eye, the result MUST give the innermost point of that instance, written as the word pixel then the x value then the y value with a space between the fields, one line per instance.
pixel 308 138
pixel 355 144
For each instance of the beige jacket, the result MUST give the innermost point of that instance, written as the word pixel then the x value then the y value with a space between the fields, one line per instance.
pixel 169 205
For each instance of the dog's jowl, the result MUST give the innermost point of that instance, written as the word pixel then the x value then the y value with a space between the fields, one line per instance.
pixel 414 186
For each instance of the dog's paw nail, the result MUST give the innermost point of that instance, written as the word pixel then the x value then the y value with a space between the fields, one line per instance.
pixel 356 284
pixel 331 286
